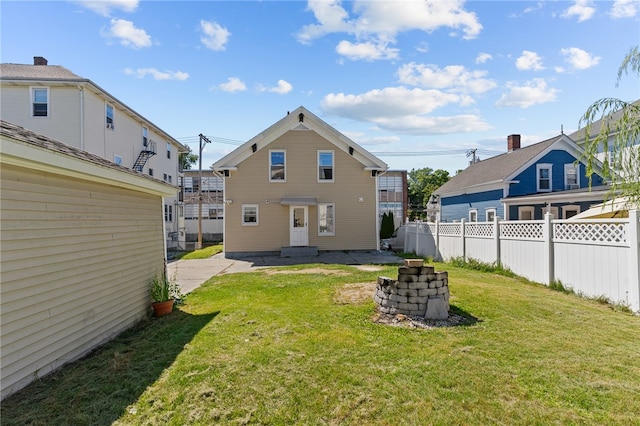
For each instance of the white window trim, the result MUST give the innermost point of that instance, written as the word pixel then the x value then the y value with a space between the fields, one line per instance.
pixel 285 166
pixel 473 212
pixel 490 210
pixel 575 167
pixel 569 208
pixel 327 234
pixel 111 125
pixel 32 101
pixel 333 166
pixel 540 167
pixel 257 207
pixel 526 209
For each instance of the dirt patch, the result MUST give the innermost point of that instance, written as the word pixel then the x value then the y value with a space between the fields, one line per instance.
pixel 322 271
pixel 355 293
pixel 405 321
pixel 369 268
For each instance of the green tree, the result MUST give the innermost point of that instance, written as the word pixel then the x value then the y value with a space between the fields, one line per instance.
pixel 422 183
pixel 187 159
pixel 613 125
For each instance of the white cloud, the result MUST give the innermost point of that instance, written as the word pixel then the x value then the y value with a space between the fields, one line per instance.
pixel 104 7
pixel 403 110
pixel 624 9
pixel 157 75
pixel 233 84
pixel 532 93
pixel 529 61
pixel 367 51
pixel 282 88
pixel 583 9
pixel 215 36
pixel 483 58
pixel 128 34
pixel 579 59
pixel 454 77
pixel 376 24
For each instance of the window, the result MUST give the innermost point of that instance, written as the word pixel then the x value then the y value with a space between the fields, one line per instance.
pixel 544 177
pixel 249 214
pixel 150 172
pixel 40 102
pixel 326 219
pixel 570 211
pixel 325 166
pixel 168 150
pixel 117 159
pixel 491 215
pixel 525 213
pixel 168 213
pixel 277 166
pixel 145 136
pixel 167 178
pixel 571 179
pixel 109 117
pixel 473 215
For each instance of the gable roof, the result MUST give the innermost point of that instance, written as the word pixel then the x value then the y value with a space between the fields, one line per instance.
pixel 22 74
pixel 299 119
pixel 43 153
pixel 579 135
pixel 499 170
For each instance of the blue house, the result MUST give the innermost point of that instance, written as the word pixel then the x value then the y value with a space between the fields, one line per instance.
pixel 522 184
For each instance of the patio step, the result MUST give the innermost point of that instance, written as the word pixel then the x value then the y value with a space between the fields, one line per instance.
pixel 306 251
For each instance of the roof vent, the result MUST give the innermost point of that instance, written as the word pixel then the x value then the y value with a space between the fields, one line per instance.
pixel 39 60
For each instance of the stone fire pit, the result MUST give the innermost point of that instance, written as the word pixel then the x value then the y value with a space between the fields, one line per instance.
pixel 419 291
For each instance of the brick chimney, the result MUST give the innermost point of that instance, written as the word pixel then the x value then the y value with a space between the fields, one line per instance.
pixel 513 142
pixel 39 60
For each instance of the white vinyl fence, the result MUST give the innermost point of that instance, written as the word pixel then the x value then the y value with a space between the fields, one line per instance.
pixel 599 257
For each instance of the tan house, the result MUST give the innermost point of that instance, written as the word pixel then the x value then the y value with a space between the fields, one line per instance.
pixel 53 101
pixel 75 269
pixel 298 187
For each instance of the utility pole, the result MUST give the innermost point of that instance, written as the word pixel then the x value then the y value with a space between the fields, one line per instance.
pixel 203 140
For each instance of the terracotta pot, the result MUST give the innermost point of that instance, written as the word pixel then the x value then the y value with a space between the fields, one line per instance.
pixel 162 308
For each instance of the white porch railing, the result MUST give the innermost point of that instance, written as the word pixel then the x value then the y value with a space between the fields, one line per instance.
pixel 593 257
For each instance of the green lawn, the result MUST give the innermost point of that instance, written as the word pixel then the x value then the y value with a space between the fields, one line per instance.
pixel 265 348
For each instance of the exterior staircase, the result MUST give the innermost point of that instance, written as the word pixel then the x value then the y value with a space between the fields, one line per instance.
pixel 147 152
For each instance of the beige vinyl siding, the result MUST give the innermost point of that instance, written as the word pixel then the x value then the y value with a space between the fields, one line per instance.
pixel 76 260
pixel 355 221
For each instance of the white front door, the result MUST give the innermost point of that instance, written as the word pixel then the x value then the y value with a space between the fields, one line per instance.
pixel 299 229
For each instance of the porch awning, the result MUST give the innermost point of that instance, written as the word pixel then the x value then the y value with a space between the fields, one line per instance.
pixel 298 201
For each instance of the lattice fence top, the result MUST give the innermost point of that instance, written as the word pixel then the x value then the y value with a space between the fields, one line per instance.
pixel 591 232
pixel 479 230
pixel 522 230
pixel 454 229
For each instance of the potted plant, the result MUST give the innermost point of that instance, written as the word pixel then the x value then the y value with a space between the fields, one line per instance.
pixel 164 293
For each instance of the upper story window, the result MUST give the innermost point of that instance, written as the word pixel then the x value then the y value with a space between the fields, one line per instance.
pixel 109 117
pixel 40 101
pixel 277 166
pixel 571 176
pixel 544 178
pixel 325 166
pixel 168 150
pixel 145 136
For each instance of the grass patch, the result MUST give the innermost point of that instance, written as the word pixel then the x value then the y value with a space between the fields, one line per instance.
pixel 265 348
pixel 203 253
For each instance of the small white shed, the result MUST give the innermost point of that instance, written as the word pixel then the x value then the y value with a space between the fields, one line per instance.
pixel 80 239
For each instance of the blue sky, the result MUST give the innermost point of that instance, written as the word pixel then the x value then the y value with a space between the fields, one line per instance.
pixel 418 83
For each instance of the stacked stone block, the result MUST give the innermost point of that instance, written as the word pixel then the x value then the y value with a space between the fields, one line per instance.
pixel 419 291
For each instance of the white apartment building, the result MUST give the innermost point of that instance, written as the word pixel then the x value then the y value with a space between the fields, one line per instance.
pixel 55 102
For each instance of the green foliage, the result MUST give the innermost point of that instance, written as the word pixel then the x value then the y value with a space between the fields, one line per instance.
pixel 476 265
pixel 387 226
pixel 421 184
pixel 163 289
pixel 187 159
pixel 619 134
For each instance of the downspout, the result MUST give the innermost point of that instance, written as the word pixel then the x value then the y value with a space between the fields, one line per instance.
pixel 81 117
